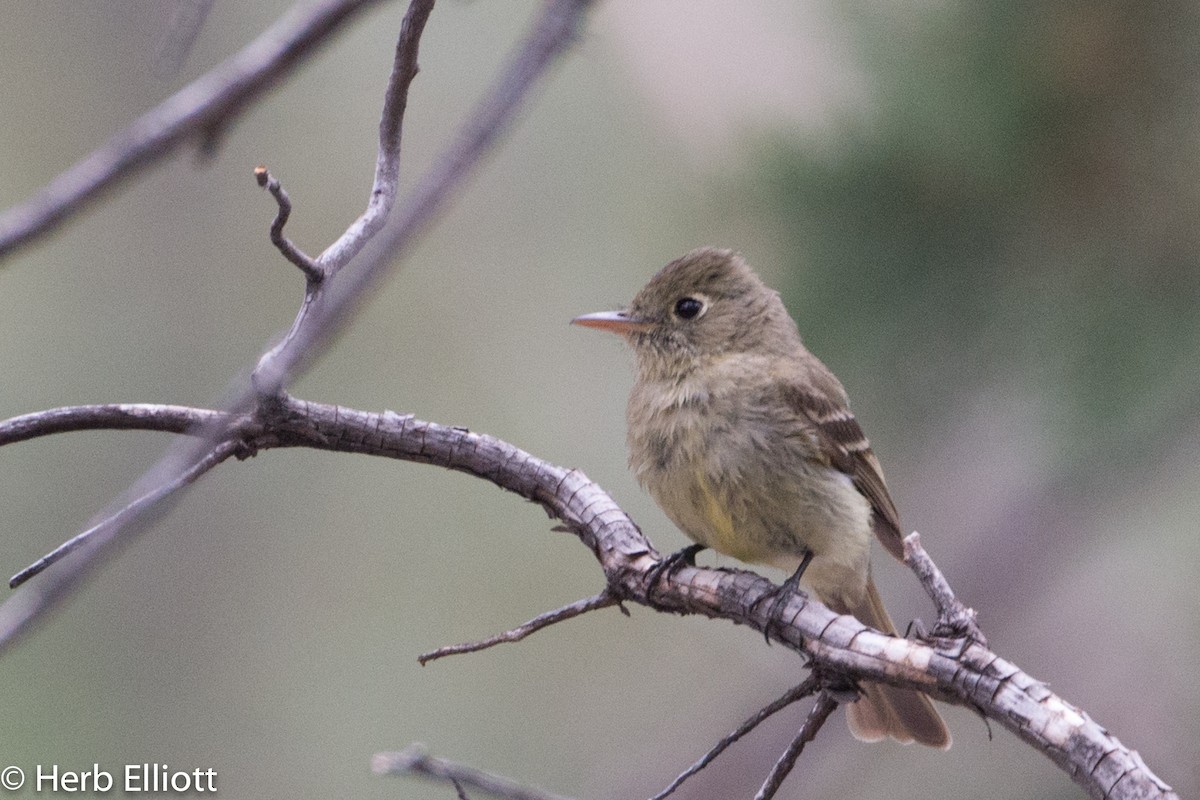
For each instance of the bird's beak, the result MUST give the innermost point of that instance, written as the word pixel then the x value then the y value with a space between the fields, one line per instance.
pixel 615 321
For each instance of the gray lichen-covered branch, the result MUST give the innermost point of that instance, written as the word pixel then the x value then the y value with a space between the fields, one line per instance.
pixel 955 670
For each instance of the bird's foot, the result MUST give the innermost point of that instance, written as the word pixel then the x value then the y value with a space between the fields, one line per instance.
pixel 780 594
pixel 684 557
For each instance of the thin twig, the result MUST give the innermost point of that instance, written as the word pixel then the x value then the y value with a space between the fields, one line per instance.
pixel 203 105
pixel 379 204
pixel 816 718
pixel 219 453
pixel 954 619
pixel 602 600
pixel 415 760
pixel 391 128
pixel 810 685
pixel 312 270
pixel 551 33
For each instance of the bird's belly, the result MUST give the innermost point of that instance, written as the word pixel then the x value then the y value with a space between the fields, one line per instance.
pixel 690 500
pixel 760 506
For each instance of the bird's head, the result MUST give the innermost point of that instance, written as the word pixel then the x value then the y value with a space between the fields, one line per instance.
pixel 706 304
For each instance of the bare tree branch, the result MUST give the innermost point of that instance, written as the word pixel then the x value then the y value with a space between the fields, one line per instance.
pixel 959 671
pixel 810 685
pixel 415 760
pixel 104 528
pixel 126 416
pixel 550 34
pixel 111 416
pixel 197 110
pixel 387 163
pixel 825 706
pixel 311 269
pixel 379 206
pixel 18 614
pixel 955 620
pixel 322 315
pixel 963 672
pixel 602 600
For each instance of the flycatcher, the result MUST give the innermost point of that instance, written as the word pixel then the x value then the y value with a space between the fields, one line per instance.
pixel 746 441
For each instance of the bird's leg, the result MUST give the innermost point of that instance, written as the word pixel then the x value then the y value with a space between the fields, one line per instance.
pixel 686 556
pixel 783 591
pixel 793 582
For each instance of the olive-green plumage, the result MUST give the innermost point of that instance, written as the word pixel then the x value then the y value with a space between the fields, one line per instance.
pixel 746 441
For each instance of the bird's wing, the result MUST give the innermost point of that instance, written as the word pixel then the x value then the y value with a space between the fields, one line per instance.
pixel 844 446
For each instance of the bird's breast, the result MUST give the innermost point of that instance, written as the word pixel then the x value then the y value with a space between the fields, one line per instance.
pixel 695 452
pixel 737 475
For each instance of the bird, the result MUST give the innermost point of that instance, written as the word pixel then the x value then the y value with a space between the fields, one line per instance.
pixel 746 441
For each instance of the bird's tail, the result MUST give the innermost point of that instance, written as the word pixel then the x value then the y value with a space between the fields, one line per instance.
pixel 882 710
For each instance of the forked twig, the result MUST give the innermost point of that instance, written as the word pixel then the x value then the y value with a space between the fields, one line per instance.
pixel 816 718
pixel 551 33
pixel 955 620
pixel 805 689
pixel 268 374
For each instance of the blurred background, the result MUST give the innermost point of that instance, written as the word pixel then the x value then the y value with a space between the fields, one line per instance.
pixel 982 215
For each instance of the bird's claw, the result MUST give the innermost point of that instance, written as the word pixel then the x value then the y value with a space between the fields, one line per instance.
pixel 781 593
pixel 684 557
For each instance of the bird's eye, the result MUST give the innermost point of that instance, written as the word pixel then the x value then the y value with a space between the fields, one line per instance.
pixel 688 307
